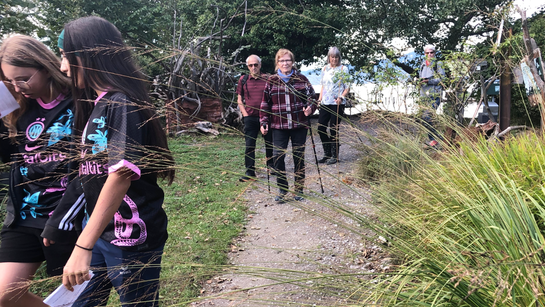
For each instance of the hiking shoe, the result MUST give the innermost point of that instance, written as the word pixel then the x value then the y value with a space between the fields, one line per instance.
pixel 331 161
pixel 246 178
pixel 323 160
pixel 299 196
pixel 280 199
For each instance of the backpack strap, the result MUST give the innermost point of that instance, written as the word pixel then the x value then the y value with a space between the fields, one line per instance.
pixel 242 83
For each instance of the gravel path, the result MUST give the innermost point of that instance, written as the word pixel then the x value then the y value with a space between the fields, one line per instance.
pixel 286 246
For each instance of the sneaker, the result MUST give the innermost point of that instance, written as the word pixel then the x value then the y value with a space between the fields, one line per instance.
pixel 331 161
pixel 280 198
pixel 299 197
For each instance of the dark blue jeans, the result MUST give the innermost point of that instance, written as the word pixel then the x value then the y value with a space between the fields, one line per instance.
pixel 134 275
pixel 280 140
pixel 251 130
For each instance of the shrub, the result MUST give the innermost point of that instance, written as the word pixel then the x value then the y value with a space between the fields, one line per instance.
pixel 468 228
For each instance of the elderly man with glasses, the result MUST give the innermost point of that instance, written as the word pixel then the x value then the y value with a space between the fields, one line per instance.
pixel 431 72
pixel 250 93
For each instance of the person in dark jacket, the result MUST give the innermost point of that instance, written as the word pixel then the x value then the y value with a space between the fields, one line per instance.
pixel 36 140
pixel 285 110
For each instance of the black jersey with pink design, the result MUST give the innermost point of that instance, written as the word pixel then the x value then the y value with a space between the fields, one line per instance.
pixel 41 161
pixel 116 136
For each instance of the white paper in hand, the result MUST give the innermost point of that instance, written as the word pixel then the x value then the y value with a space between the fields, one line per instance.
pixel 61 297
pixel 8 103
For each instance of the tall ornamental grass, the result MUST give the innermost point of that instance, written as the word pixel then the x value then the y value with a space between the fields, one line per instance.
pixel 466 226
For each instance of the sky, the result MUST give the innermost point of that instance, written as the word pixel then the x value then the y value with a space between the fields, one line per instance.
pixel 531 6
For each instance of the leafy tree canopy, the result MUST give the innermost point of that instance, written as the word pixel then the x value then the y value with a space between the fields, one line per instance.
pixel 374 25
pixel 15 16
pixel 364 30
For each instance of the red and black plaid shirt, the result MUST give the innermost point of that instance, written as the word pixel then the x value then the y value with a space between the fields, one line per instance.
pixel 283 102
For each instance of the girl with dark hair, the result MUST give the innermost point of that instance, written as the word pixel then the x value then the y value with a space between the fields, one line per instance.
pixel 35 139
pixel 124 150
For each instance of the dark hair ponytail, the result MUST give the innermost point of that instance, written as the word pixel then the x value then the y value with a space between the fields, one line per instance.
pixel 108 65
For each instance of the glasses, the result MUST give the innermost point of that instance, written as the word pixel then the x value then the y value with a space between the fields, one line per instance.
pixel 253 65
pixel 285 61
pixel 430 52
pixel 23 84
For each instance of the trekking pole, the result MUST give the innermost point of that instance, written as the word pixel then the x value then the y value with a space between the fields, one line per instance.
pixel 268 179
pixel 337 134
pixel 315 156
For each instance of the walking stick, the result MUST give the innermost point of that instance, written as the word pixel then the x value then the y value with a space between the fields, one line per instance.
pixel 315 156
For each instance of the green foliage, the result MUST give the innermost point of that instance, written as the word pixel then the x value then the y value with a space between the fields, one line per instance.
pixel 467 228
pixel 363 30
pixel 15 16
pixel 376 23
pixel 537 28
pixel 142 22
pixel 522 113
pixel 307 28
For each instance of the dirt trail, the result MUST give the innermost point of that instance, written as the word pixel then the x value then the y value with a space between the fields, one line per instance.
pixel 291 241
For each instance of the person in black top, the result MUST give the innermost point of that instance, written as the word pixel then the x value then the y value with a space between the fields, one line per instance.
pixel 36 140
pixel 124 151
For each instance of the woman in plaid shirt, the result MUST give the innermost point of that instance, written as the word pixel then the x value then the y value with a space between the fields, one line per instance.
pixel 285 109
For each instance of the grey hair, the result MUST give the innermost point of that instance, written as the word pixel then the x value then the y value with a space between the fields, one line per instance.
pixel 253 55
pixel 334 51
pixel 429 47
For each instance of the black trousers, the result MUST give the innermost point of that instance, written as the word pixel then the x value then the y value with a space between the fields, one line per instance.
pixel 251 130
pixel 329 118
pixel 280 140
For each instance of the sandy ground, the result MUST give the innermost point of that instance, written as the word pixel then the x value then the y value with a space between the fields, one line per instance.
pixel 286 249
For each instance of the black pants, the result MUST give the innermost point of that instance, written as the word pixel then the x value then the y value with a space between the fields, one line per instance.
pixel 329 118
pixel 251 130
pixel 280 140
